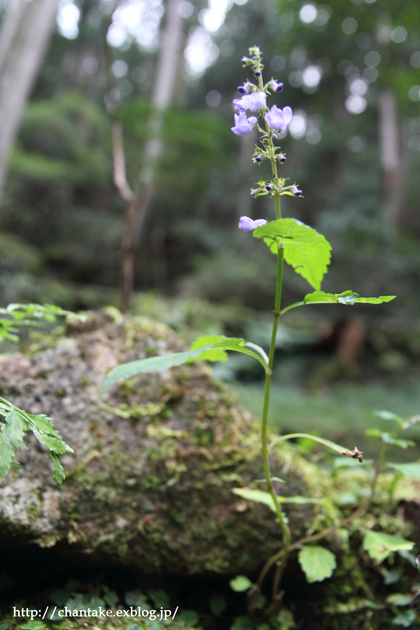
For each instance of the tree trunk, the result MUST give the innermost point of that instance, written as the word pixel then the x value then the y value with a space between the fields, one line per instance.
pixel 389 134
pixel 24 37
pixel 138 203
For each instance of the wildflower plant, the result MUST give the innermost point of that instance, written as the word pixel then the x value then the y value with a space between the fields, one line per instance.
pixel 308 253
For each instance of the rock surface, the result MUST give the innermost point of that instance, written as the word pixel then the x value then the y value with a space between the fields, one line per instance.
pixel 156 458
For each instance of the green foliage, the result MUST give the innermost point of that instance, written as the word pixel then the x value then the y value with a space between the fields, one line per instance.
pixel 15 424
pixel 34 624
pixel 317 563
pixel 260 496
pixel 240 583
pixel 18 315
pixel 379 545
pixel 307 251
pixel 348 298
pixel 411 469
pixel 209 348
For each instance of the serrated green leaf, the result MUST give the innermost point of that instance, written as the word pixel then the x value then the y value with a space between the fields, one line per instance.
pixel 411 469
pixel 11 436
pixel 6 455
pixel 15 428
pixel 379 545
pixel 307 251
pixel 317 563
pixel 240 583
pixel 58 471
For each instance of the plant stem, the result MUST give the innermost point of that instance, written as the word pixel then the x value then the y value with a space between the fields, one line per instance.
pixel 264 446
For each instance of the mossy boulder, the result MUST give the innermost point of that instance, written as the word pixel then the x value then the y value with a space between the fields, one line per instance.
pixel 156 458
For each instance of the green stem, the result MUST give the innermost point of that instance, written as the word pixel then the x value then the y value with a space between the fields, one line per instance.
pixel 268 377
pixel 264 445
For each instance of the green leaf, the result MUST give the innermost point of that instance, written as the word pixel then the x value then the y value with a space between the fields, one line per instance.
pixel 260 496
pixel 12 433
pixel 317 563
pixel 405 618
pixel 219 344
pixel 58 471
pixel 285 620
pixel 307 251
pixel 388 438
pixel 34 625
pixel 240 583
pixel 411 469
pixel 217 604
pixel 347 297
pixel 399 599
pixel 6 455
pixel 15 428
pixel 159 597
pixel 388 415
pixel 379 545
pixel 354 454
pixel 210 348
pixel 242 623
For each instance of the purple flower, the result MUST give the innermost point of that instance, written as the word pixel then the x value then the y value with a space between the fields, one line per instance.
pixel 243 125
pixel 254 101
pixel 248 225
pixel 296 191
pixel 279 118
pixel 276 86
pixel 238 105
pixel 244 89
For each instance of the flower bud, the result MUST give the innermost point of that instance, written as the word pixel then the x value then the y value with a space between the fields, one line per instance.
pixel 276 86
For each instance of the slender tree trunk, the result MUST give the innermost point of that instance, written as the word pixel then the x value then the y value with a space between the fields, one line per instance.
pixel 24 35
pixel 138 202
pixel 389 133
pixel 167 75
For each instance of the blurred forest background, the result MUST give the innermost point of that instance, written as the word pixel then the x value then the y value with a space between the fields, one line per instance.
pixel 159 76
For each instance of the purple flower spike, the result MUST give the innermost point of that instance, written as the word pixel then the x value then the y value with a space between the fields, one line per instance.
pixel 243 125
pixel 248 225
pixel 276 86
pixel 296 191
pixel 254 101
pixel 279 118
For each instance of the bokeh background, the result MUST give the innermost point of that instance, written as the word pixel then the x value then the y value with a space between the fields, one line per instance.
pixel 161 75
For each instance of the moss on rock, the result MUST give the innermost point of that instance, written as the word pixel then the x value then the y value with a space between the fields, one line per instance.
pixel 156 457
